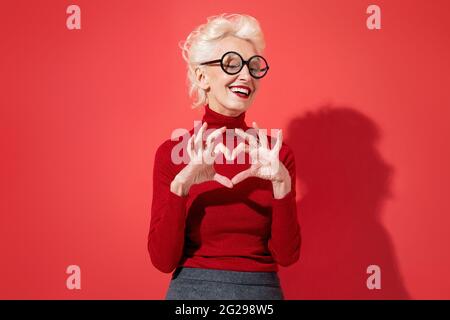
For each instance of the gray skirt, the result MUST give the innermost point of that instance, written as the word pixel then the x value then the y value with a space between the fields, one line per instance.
pixel 212 284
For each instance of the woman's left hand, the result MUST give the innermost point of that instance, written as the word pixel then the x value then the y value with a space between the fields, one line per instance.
pixel 265 162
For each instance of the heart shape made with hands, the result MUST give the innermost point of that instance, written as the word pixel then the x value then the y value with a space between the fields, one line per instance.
pixel 265 162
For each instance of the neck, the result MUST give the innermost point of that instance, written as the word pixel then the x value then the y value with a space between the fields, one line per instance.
pixel 222 110
pixel 216 119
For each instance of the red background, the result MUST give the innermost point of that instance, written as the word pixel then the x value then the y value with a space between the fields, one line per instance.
pixel 83 111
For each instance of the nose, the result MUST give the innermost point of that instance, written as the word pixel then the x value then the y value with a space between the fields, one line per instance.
pixel 244 74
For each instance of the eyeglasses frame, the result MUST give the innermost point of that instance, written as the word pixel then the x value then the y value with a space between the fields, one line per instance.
pixel 242 66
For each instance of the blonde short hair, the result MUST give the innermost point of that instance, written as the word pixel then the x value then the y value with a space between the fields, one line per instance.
pixel 200 43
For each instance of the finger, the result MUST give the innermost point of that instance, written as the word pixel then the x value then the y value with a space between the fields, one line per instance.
pixel 279 142
pixel 199 137
pixel 220 147
pixel 198 133
pixel 223 180
pixel 215 134
pixel 246 136
pixel 190 147
pixel 241 176
pixel 241 147
pixel 261 135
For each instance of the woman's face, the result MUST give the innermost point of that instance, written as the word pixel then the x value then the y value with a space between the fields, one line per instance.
pixel 217 83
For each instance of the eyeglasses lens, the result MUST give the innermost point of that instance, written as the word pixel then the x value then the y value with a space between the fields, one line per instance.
pixel 232 63
pixel 258 67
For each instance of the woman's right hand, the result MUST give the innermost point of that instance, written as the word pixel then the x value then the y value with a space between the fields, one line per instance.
pixel 201 164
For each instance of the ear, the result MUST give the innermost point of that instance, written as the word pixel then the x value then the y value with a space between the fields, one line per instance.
pixel 202 78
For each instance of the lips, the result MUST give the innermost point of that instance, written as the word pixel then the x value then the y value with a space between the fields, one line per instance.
pixel 241 91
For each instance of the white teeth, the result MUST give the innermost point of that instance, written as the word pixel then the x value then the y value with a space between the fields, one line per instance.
pixel 241 90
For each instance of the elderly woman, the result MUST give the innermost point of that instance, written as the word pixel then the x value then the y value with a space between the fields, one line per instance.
pixel 224 227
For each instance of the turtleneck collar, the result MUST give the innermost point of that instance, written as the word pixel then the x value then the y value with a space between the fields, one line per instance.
pixel 217 120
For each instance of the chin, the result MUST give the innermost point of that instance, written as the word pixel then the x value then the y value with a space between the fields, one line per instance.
pixel 238 106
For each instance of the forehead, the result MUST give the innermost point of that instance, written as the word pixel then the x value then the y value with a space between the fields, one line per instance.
pixel 244 47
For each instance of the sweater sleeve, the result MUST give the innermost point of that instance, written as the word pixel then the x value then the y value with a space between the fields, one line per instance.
pixel 168 215
pixel 285 241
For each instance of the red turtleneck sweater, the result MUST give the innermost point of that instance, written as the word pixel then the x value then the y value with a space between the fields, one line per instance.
pixel 242 229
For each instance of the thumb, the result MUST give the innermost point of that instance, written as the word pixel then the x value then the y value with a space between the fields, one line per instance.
pixel 241 176
pixel 223 180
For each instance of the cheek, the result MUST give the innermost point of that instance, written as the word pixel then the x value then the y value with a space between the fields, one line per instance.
pixel 257 86
pixel 221 83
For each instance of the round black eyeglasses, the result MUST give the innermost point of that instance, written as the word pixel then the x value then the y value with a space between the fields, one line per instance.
pixel 232 63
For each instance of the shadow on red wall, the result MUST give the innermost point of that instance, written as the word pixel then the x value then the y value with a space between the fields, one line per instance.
pixel 344 182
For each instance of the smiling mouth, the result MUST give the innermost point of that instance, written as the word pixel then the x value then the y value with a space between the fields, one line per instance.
pixel 241 91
